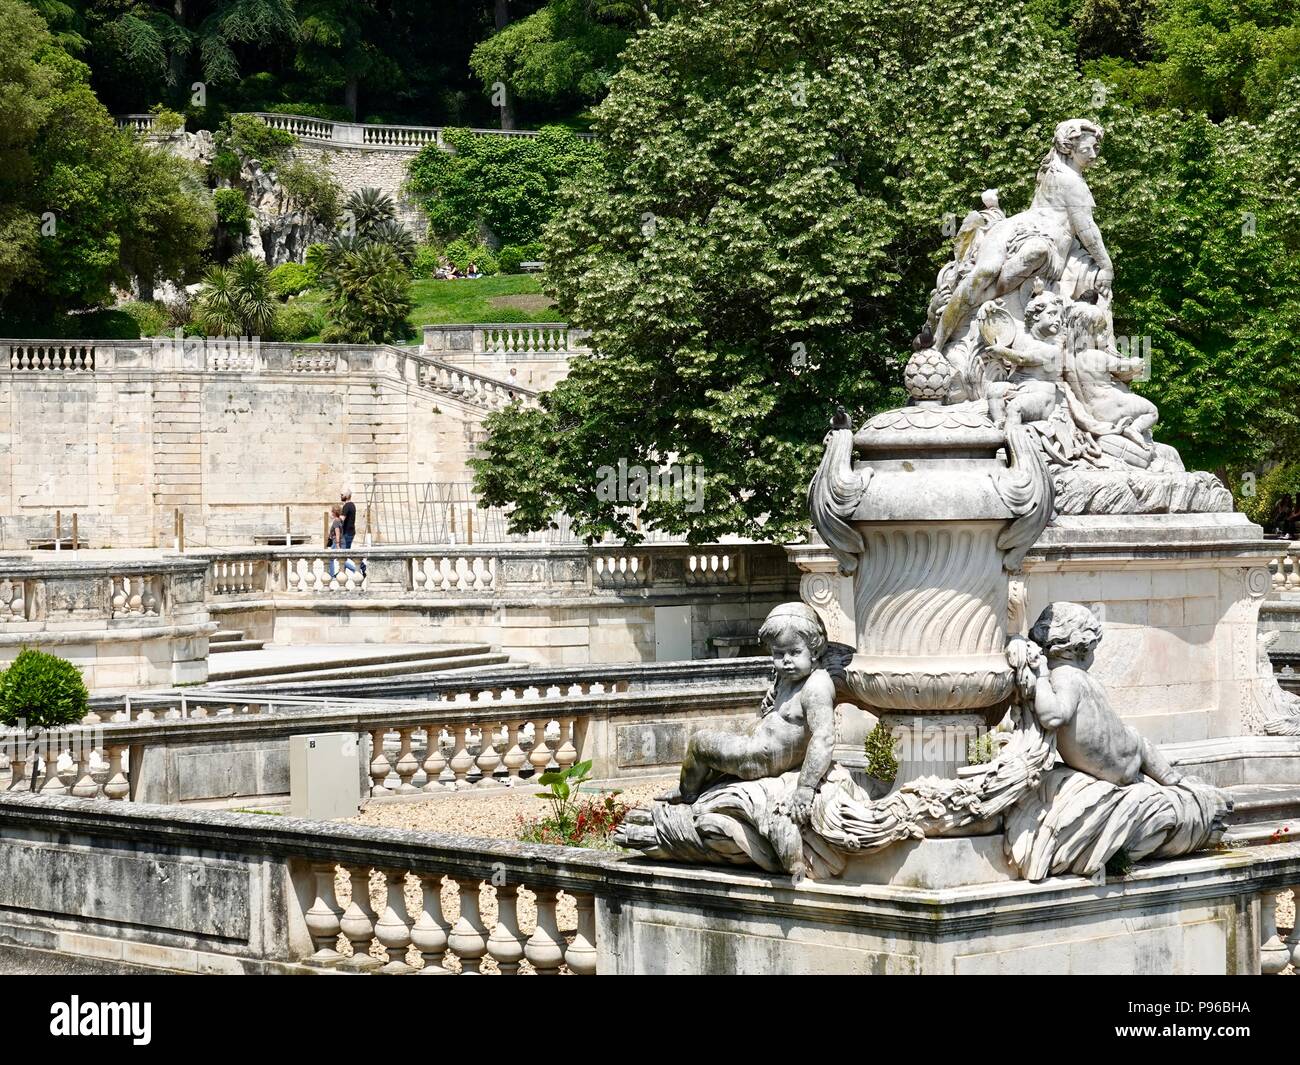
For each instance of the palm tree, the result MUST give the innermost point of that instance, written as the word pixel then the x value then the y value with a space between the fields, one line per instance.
pixel 237 300
pixel 370 208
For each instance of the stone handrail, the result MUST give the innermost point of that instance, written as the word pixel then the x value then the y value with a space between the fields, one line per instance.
pixel 1285 568
pixel 288 869
pixel 435 375
pixel 250 355
pixel 505 338
pixel 62 599
pixel 279 892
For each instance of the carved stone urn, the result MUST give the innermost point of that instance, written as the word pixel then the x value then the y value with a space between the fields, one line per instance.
pixel 929 508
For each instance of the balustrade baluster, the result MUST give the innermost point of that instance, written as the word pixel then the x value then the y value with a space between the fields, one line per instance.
pixel 407 764
pixel 431 930
pixel 545 949
pixel 85 786
pixel 1273 953
pixel 580 956
pixel 323 919
pixel 469 938
pixel 515 758
pixel 488 758
pixel 461 760
pixel 358 922
pixel 434 760
pixel 567 753
pixel 19 778
pixel 506 944
pixel 117 786
pixel 540 755
pixel 379 764
pixel 393 930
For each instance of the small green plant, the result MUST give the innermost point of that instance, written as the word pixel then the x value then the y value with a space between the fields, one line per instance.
pixel 166 121
pixel 981 749
pixel 574 821
pixel 288 279
pixel 41 691
pixel 882 763
pixel 232 210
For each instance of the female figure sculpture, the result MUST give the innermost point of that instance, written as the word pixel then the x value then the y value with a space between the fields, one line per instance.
pixel 1037 242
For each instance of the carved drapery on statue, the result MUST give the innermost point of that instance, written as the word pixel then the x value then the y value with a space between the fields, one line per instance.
pixel 1055 819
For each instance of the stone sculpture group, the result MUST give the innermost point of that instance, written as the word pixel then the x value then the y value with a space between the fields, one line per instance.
pixel 1020 409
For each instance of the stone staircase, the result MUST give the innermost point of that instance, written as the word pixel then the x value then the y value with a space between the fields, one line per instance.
pixel 234 659
pixel 1263 813
pixel 225 640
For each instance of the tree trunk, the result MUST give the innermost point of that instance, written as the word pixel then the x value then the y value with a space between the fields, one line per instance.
pixel 501 12
pixel 350 96
pixel 176 61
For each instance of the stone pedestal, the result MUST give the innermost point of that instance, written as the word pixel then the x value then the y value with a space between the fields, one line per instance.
pixel 1179 596
pixel 1190 916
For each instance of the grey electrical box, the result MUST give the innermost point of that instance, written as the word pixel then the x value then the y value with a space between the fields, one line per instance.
pixel 324 776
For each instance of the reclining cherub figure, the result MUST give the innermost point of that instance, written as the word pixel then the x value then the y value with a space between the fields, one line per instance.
pixel 796 727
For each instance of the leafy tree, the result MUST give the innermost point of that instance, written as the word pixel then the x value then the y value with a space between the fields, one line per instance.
pixel 337 47
pixel 510 185
pixel 368 295
pixel 40 691
pixel 757 240
pixel 313 190
pixel 171 221
pixel 1208 56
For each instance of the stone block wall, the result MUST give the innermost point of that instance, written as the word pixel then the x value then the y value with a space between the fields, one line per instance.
pixel 124 450
pixel 356 168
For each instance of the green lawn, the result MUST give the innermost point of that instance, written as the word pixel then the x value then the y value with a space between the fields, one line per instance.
pixel 503 298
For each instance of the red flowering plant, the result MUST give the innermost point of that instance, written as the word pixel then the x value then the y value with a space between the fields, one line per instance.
pixel 573 821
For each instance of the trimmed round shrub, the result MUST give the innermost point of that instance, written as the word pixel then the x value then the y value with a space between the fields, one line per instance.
pixel 509 258
pixel 461 253
pixel 288 279
pixel 42 691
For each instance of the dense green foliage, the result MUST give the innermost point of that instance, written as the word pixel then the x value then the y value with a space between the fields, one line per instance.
pixel 508 185
pixel 237 300
pixel 41 691
pixel 756 242
pixel 367 294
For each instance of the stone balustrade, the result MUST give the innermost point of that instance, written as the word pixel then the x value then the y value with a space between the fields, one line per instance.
pixel 125 623
pixel 287 895
pixel 491 571
pixel 464 732
pixel 135 123
pixel 372 135
pixel 283 895
pixel 1285 568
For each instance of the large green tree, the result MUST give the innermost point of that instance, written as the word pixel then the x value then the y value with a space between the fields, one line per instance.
pixel 756 241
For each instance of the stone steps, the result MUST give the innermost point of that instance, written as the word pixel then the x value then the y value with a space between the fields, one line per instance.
pixel 325 662
pixel 227 640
